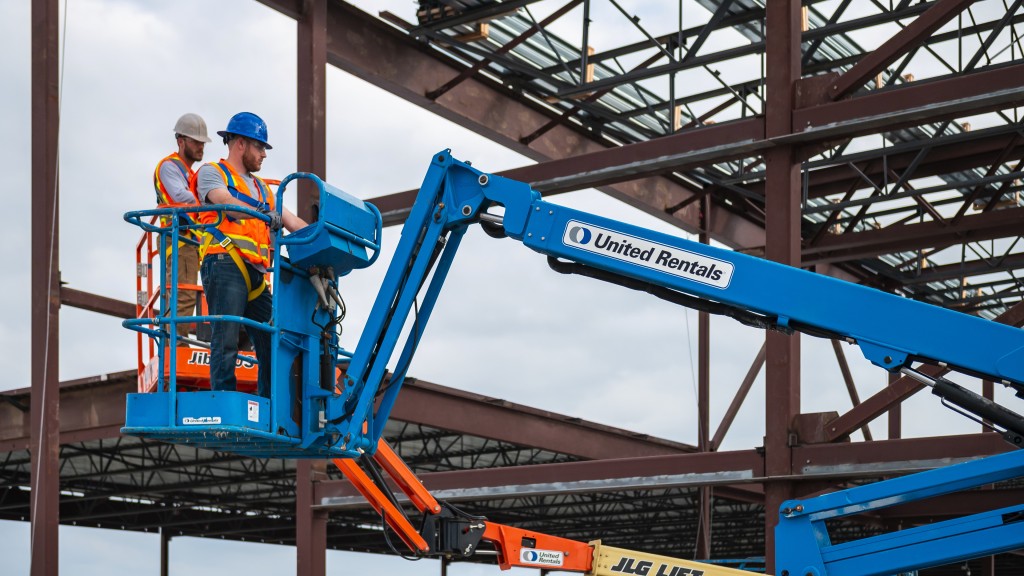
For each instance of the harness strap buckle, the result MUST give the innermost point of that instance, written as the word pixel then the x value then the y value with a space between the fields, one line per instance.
pixel 225 242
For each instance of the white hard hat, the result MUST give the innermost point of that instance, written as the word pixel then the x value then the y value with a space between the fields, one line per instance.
pixel 193 126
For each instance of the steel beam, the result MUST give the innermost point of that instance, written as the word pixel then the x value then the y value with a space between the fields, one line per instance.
pixel 481 13
pixel 505 48
pixel 814 35
pixel 890 457
pixel 645 473
pixel 993 88
pixel 96 303
pixel 90 409
pixel 911 35
pixel 963 270
pixel 432 405
pixel 948 154
pixel 93 409
pixel 851 386
pixel 377 53
pixel 680 151
pixel 385 58
pixel 45 303
pixel 900 389
pixel 824 461
pixel 907 237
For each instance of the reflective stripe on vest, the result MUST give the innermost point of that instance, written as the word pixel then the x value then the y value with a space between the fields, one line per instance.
pixel 250 236
pixel 163 198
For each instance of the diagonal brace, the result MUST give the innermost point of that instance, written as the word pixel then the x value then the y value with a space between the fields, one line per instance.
pixel 916 32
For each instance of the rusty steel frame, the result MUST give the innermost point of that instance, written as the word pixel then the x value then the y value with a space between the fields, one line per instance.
pixel 45 300
pixel 657 176
pixel 311 87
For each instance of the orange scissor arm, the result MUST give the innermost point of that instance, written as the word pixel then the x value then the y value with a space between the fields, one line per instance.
pixel 382 504
pixel 449 532
pixel 406 480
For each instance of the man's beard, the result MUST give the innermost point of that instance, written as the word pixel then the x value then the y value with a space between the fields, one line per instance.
pixel 192 155
pixel 251 162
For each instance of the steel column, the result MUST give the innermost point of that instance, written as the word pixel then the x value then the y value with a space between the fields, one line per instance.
pixel 988 566
pixel 45 423
pixel 782 232
pixel 165 551
pixel 704 402
pixel 310 524
pixel 895 413
pixel 311 86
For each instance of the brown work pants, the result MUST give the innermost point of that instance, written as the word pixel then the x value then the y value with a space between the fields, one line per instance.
pixel 188 274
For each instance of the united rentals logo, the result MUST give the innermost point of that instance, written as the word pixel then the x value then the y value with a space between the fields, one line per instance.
pixel 663 258
pixel 541 557
pixel 579 235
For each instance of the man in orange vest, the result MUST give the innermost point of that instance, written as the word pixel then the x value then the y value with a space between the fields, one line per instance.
pixel 236 247
pixel 171 181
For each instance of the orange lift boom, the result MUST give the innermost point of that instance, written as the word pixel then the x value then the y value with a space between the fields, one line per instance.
pixel 448 532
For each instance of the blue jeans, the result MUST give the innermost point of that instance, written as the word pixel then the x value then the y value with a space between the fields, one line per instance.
pixel 227 295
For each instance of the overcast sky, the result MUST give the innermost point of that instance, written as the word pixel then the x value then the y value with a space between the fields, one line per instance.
pixel 505 326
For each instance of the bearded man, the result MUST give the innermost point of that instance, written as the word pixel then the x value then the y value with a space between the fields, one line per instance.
pixel 236 247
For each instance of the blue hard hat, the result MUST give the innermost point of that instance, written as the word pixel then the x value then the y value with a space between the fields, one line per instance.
pixel 249 125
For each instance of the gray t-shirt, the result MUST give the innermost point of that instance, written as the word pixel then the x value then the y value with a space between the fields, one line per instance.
pixel 211 178
pixel 176 184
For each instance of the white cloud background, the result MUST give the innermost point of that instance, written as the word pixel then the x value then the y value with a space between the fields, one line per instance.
pixel 506 326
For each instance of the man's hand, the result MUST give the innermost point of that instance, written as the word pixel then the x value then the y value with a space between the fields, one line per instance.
pixel 275 219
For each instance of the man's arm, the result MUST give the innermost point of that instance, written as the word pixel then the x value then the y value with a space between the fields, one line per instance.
pixel 222 196
pixel 175 184
pixel 291 221
pixel 211 190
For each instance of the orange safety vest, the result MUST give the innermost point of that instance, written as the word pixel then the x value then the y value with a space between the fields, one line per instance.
pixel 164 199
pixel 250 236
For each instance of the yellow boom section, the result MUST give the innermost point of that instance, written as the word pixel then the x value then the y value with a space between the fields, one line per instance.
pixel 609 561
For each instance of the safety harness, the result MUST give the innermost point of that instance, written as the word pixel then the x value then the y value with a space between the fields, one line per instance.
pixel 226 242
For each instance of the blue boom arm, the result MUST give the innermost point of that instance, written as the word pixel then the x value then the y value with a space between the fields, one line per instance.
pixel 892 332
pixel 313 414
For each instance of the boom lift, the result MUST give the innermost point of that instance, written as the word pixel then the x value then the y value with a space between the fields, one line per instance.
pixel 314 413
